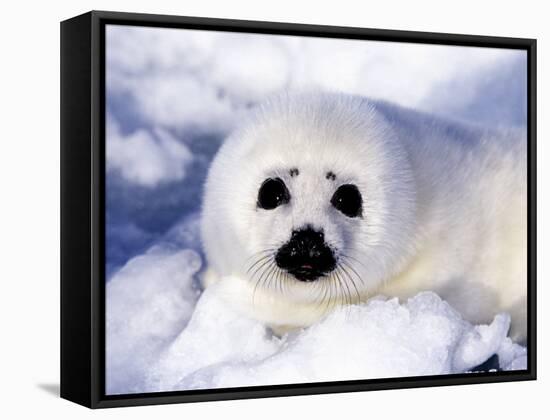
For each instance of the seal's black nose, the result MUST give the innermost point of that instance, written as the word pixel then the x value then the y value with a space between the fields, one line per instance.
pixel 306 255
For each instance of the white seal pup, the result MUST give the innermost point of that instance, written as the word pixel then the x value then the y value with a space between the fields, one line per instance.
pixel 328 199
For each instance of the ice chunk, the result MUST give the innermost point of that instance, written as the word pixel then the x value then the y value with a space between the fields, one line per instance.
pixel 481 342
pixel 148 302
pixel 382 338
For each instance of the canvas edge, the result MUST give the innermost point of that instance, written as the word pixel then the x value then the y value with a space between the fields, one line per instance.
pixel 76 187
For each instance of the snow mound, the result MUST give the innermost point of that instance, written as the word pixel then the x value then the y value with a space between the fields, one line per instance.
pixel 148 303
pixel 221 348
pixel 144 158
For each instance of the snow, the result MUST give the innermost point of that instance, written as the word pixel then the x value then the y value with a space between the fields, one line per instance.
pixel 179 78
pixel 161 338
pixel 249 69
pixel 148 302
pixel 146 158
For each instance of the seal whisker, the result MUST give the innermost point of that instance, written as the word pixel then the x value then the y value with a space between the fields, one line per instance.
pixel 331 293
pixel 353 258
pixel 261 266
pixel 269 278
pixel 343 266
pixel 265 269
pixel 258 261
pixel 265 272
pixel 263 251
pixel 345 261
pixel 338 290
pixel 348 289
pixel 347 305
pixel 322 293
pixel 254 292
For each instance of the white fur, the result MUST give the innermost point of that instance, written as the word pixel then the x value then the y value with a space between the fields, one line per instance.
pixel 444 209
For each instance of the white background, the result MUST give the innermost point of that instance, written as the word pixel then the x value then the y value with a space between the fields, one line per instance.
pixel 29 230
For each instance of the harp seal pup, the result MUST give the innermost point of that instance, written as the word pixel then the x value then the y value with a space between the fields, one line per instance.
pixel 322 200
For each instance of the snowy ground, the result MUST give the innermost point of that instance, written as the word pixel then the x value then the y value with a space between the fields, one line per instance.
pixel 162 336
pixel 172 97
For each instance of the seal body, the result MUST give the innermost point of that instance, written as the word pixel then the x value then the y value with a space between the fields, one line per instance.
pixel 321 200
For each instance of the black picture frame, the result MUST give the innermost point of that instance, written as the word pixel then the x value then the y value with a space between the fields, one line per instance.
pixel 83 208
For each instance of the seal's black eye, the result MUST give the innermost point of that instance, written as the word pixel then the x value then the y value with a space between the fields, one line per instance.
pixel 272 194
pixel 348 200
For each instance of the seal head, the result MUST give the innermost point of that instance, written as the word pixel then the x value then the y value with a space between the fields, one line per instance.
pixel 312 201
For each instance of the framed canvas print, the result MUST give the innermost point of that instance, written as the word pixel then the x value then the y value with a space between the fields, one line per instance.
pixel 255 209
